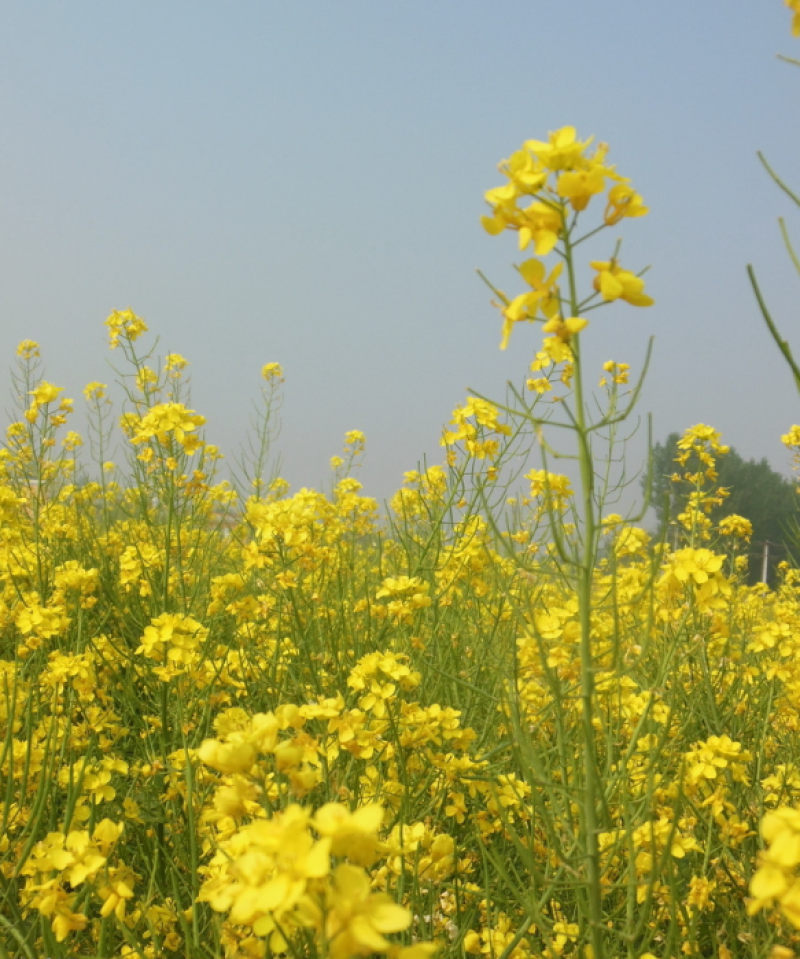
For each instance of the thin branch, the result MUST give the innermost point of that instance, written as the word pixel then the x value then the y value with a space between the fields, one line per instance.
pixel 777 179
pixel 788 243
pixel 783 346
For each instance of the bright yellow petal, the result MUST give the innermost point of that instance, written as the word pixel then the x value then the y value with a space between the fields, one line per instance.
pixel 507 326
pixel 365 935
pixel 493 224
pixel 575 324
pixel 768 883
pixel 318 862
pixel 352 882
pixel 545 241
pixel 389 917
pixel 610 287
pixel 501 194
pixel 532 272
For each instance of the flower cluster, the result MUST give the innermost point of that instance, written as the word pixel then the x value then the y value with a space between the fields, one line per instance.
pixel 549 184
pixel 474 435
pixel 289 876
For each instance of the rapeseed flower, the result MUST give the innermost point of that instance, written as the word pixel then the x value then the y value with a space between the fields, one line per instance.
pixel 561 151
pixel 124 324
pixel 614 283
pixel 357 919
pixel 794 6
pixel 28 350
pixel 623 201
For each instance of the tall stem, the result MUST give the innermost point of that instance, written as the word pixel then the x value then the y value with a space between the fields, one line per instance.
pixel 585 573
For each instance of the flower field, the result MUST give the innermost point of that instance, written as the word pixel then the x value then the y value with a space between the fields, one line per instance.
pixel 498 719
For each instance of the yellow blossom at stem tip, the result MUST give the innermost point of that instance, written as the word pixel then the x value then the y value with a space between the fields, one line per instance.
pixel 562 150
pixel 272 372
pixel 28 349
pixel 94 390
pixel 124 324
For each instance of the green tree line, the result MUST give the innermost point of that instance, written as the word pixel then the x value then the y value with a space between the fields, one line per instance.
pixel 756 491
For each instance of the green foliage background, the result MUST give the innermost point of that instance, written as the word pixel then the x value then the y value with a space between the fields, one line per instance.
pixel 756 491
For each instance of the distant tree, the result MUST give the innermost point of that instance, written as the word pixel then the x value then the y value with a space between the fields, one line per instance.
pixel 756 492
pixel 665 496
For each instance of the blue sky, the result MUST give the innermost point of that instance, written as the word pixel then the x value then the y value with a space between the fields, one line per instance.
pixel 303 183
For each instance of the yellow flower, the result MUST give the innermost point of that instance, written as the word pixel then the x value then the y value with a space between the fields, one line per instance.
pixel 106 833
pixel 175 363
pixel 124 324
pixel 163 421
pixel 272 372
pixel 64 921
pixel 268 865
pixel 79 859
pixel 116 892
pixel 539 385
pixel 623 201
pixel 503 197
pixel 94 390
pixel 355 438
pixel 534 273
pixel 227 757
pixel 499 220
pixel 526 173
pixel 541 225
pixel 736 526
pixel 355 834
pixel 420 950
pixel 542 297
pixel 794 6
pixel 486 415
pixel 358 919
pixel 776 879
pixel 562 151
pixel 564 330
pixel 694 565
pixel 45 393
pixel 522 307
pixel 614 283
pixel 554 487
pixel 781 831
pixel 579 186
pixel 617 371
pixel 28 349
pixel 237 799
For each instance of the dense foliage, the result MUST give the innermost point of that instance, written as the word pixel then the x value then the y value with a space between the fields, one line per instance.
pixel 747 488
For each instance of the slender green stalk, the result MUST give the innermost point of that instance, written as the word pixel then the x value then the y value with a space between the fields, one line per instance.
pixel 585 576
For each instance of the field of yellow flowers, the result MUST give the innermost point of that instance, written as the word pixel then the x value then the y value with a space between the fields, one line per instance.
pixel 239 721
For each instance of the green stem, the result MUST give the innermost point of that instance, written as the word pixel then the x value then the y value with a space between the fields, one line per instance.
pixel 783 346
pixel 584 584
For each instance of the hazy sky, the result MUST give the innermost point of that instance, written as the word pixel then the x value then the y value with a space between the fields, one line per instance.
pixel 303 182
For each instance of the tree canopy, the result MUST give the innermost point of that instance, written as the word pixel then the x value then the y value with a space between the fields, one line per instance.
pixel 755 491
